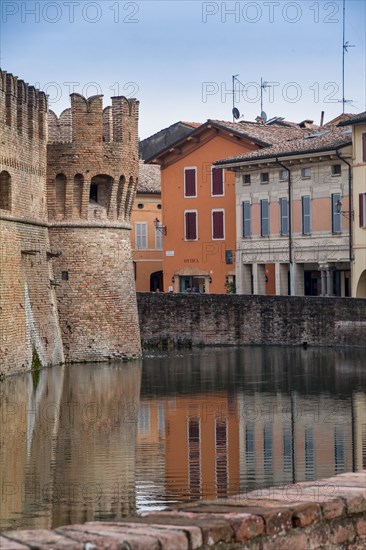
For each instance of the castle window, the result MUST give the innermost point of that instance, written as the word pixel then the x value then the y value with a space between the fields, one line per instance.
pixel 5 191
pixel 121 186
pixel 60 195
pixel 93 197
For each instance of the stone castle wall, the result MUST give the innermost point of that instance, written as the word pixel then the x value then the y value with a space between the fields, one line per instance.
pixel 58 205
pixel 28 312
pixel 174 320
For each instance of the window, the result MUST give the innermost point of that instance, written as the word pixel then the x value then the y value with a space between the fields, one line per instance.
pixel 287 448
pixel 306 221
pixel 336 170
pixel 336 214
pixel 140 205
pixel 64 275
pixel 190 182
pixel 218 223
pixel 194 456
pixel 247 219
pixel 217 181
pixel 364 147
pixel 264 218
pixel 268 447
pixel 93 192
pixel 246 179
pixel 5 191
pixel 283 175
pixel 159 236
pixel 190 225
pixel 362 207
pixel 264 177
pixel 284 225
pixel 339 454
pixel 306 173
pixel 159 206
pixel 141 235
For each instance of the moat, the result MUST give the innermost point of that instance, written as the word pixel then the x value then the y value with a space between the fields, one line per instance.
pixel 94 441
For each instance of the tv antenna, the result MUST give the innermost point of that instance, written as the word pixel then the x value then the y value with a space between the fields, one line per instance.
pixel 235 111
pixel 345 47
pixel 264 86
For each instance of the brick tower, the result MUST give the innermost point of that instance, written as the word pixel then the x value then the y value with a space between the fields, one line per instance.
pixel 92 169
pixel 29 327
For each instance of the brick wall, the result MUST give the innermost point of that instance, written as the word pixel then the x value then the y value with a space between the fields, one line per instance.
pixel 83 302
pixel 196 319
pixel 28 313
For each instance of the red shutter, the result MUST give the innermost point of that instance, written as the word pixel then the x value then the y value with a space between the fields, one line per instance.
pixel 364 147
pixel 361 206
pixel 190 182
pixel 218 225
pixel 191 225
pixel 217 181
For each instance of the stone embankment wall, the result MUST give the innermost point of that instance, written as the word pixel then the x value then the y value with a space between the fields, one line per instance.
pixel 328 513
pixel 183 320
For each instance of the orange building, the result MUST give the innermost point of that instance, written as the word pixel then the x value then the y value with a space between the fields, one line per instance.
pixel 199 207
pixel 147 232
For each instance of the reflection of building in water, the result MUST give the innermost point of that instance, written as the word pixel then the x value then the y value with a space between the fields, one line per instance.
pixel 150 453
pixel 74 443
pixel 359 417
pixel 202 449
pixel 290 438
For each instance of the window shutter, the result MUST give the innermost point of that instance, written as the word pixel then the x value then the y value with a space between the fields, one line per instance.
pixel 190 182
pixel 191 225
pixel 336 216
pixel 247 221
pixel 264 218
pixel 361 198
pixel 306 226
pixel 218 225
pixel 284 216
pixel 364 147
pixel 217 181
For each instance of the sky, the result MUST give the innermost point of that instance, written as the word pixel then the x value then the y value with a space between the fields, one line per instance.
pixel 178 57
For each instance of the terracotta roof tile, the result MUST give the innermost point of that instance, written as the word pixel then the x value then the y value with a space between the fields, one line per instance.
pixel 149 178
pixel 323 139
pixel 353 119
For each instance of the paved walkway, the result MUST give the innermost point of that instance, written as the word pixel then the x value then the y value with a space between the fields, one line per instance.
pixel 329 513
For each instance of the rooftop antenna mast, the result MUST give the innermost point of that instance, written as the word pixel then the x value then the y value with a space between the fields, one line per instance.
pixel 235 111
pixel 346 45
pixel 264 86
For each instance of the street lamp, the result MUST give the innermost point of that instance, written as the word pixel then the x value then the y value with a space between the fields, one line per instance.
pixel 159 226
pixel 345 214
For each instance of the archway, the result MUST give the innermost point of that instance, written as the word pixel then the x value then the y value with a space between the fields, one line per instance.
pixel 361 287
pixel 156 281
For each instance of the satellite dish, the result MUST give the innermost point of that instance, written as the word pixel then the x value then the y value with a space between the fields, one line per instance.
pixel 236 113
pixel 264 116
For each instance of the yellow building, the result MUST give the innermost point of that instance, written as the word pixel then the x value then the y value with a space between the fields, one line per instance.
pixel 147 231
pixel 358 209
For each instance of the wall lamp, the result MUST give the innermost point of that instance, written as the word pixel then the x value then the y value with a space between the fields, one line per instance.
pixel 173 279
pixel 159 226
pixel 338 206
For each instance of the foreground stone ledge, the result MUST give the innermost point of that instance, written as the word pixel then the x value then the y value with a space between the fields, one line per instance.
pixel 329 513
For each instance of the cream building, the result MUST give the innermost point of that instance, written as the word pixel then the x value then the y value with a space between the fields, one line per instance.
pixel 358 208
pixel 291 197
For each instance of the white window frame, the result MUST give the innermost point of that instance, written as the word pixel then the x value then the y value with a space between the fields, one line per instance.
pixel 223 181
pixel 304 175
pixel 184 181
pixel 185 229
pixel 137 236
pixel 336 175
pixel 261 178
pixel 283 175
pixel 159 236
pixel 212 225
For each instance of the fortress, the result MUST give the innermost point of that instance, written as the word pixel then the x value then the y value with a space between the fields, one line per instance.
pixel 67 186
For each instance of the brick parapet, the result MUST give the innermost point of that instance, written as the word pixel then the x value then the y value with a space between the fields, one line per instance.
pixel 328 513
pixel 185 320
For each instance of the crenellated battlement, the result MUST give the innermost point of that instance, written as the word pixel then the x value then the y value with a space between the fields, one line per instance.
pixel 23 108
pixel 87 122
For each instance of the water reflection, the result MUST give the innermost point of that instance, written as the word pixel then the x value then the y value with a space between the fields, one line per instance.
pixel 90 442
